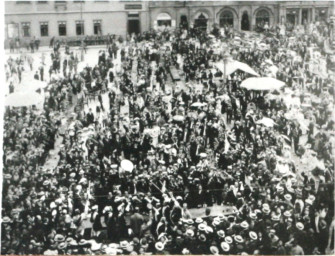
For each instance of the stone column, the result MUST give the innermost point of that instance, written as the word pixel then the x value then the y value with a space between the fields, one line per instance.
pixel 299 16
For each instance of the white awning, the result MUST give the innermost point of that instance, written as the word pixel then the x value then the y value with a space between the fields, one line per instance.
pixel 163 16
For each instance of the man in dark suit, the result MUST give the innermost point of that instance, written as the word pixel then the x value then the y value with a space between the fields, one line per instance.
pixel 90 117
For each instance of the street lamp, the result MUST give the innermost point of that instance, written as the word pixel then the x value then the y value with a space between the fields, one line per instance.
pixel 226 57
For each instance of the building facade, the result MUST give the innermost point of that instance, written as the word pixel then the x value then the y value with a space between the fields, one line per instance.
pixel 70 19
pixel 73 19
pixel 241 15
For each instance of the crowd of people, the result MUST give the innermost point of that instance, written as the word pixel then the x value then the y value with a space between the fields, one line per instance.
pixel 146 170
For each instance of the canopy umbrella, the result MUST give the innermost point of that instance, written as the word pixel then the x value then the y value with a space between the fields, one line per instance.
pixel 262 84
pixel 233 66
pixel 23 99
pixel 178 118
pixel 273 69
pixel 268 122
pixel 127 165
pixel 32 85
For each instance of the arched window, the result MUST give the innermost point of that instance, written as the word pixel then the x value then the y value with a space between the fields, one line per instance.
pixel 262 17
pixel 226 18
pixel 164 19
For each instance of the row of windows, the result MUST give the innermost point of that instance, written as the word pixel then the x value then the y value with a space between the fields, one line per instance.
pixel 44 2
pixel 44 28
pixel 226 18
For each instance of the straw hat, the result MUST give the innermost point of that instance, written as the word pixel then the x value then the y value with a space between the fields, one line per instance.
pixel 221 233
pixel 159 246
pixel 253 235
pixel 214 250
pixel 225 246
pixel 189 233
pixel 300 226
pixel 239 239
pixel 202 227
pixel 244 225
pixel 228 239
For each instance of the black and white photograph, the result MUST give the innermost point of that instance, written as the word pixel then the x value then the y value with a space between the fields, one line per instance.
pixel 168 127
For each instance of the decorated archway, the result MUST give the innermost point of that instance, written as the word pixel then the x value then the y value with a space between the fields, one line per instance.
pixel 201 21
pixel 262 18
pixel 164 19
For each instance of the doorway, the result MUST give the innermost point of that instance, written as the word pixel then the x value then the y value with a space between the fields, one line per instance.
pixel 245 24
pixel 133 26
pixel 133 23
pixel 183 22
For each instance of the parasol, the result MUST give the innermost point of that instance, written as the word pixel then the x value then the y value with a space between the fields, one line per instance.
pixel 233 66
pixel 32 85
pixel 262 84
pixel 268 122
pixel 178 118
pixel 127 165
pixel 23 99
pixel 198 104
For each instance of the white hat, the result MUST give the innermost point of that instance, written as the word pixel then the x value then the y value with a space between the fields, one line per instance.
pixel 199 220
pixel 159 246
pixel 161 235
pixel 221 233
pixel 216 222
pixel 214 250
pixel 300 226
pixel 288 197
pixel 244 225
pixel 239 239
pixel 209 229
pixel 202 227
pixel 185 251
pixel 189 232
pixel 228 239
pixel 253 235
pixel 225 246
pixel 124 244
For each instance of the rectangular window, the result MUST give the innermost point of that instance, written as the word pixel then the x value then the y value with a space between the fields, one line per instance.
pixel 133 15
pixel 133 6
pixel 80 28
pixel 62 28
pixel 26 29
pixel 23 2
pixel 42 2
pixel 60 2
pixel 44 28
pixel 97 27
